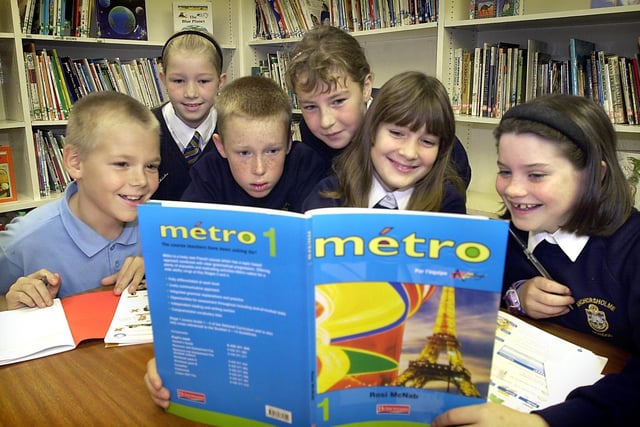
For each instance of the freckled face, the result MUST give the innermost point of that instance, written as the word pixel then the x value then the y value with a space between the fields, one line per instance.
pixel 537 183
pixel 402 157
pixel 256 150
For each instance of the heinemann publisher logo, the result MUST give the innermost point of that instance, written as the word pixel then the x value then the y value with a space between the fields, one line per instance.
pixel 393 409
pixel 192 396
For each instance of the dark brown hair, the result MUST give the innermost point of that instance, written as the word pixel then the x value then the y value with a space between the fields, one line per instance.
pixel 604 203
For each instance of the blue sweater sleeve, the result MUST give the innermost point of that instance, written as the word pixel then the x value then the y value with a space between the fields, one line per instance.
pixel 609 402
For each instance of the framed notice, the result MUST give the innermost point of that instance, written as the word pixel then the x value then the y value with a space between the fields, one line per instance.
pixel 192 15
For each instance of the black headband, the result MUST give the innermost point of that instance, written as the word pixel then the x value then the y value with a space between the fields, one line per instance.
pixel 197 33
pixel 553 118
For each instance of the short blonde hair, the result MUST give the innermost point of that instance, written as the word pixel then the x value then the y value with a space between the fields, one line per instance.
pixel 97 113
pixel 253 97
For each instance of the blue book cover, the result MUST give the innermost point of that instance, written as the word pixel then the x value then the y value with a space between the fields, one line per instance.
pixel 334 317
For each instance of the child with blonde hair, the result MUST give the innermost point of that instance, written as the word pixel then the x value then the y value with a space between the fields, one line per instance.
pixel 88 237
pixel 193 75
pixel 256 164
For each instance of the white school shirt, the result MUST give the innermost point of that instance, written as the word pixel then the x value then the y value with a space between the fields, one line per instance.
pixel 182 133
pixel 570 243
pixel 378 192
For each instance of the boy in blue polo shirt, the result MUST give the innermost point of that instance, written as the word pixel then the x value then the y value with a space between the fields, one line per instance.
pixel 89 236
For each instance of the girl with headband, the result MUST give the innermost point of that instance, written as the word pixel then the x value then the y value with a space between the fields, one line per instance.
pixel 569 203
pixel 193 76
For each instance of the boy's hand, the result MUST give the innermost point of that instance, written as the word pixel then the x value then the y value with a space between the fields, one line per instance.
pixel 129 276
pixel 35 290
pixel 159 394
pixel 488 415
pixel 541 298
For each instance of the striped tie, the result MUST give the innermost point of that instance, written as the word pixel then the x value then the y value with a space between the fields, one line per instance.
pixel 192 151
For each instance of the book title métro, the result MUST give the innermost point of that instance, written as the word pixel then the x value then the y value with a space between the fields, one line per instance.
pixel 385 244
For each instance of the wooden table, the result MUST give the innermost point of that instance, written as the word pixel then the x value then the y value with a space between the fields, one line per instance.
pixel 94 385
pixel 615 355
pixel 88 386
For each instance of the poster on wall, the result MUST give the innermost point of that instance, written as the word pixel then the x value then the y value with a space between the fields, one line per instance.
pixel 122 19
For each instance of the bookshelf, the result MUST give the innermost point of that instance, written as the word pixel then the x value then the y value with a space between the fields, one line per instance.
pixel 614 30
pixel 16 126
pixel 430 48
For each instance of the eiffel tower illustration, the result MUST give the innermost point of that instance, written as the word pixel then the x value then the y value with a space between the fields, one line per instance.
pixel 440 359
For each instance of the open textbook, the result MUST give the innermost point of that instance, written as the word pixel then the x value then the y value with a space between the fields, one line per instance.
pixel 533 369
pixel 29 333
pixel 334 317
pixel 131 323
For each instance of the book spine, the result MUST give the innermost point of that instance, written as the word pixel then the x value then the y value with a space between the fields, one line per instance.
pixel 467 70
pixel 72 81
pixel 635 86
pixel 626 91
pixel 613 68
pixel 156 68
pixel 8 189
pixel 456 102
pixel 477 67
pixel 32 82
pixel 65 98
pixel 53 87
pixel 56 161
pixel 39 166
pixel 49 104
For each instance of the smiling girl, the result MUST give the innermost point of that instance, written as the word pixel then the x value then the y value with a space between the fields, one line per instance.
pixel 401 152
pixel 193 76
pixel 568 200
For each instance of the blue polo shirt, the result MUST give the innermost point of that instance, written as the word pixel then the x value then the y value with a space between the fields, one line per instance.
pixel 52 237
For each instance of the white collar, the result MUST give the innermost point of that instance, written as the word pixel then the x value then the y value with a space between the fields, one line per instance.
pixel 182 133
pixel 378 192
pixel 570 243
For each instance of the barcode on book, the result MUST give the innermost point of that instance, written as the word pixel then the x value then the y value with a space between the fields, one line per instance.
pixel 278 414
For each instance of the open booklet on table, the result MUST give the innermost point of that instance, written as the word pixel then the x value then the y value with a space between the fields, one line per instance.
pixel 533 369
pixel 334 317
pixel 29 333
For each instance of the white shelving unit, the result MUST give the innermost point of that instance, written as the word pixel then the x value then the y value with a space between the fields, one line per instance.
pixel 16 127
pixel 614 30
pixel 429 48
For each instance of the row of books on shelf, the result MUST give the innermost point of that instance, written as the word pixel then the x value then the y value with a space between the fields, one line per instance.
pixel 292 18
pixel 54 83
pixel 52 175
pixel 489 80
pixel 274 68
pixel 118 19
pixel 56 17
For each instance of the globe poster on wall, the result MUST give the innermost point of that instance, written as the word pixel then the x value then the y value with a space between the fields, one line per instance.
pixel 122 19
